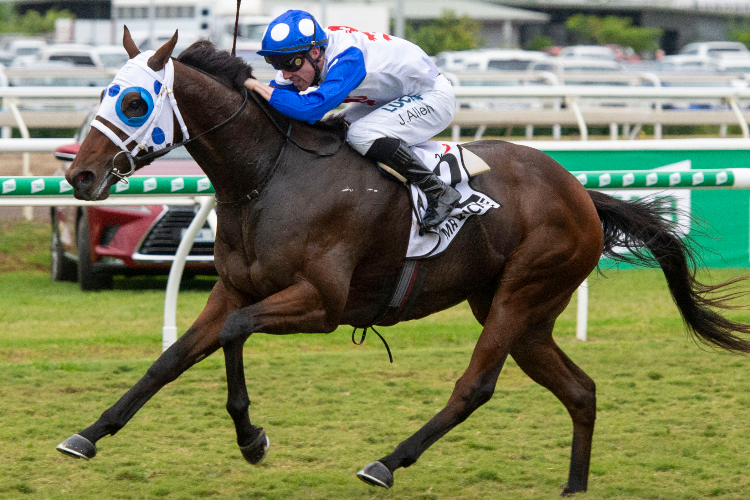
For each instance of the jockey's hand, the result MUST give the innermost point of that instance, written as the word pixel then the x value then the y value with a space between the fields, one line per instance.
pixel 259 88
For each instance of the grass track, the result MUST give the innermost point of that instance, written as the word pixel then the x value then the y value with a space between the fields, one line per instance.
pixel 673 419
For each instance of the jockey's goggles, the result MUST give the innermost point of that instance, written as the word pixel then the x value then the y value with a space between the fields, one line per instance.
pixel 290 63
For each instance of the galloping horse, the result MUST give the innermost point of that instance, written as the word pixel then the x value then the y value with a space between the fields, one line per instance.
pixel 306 242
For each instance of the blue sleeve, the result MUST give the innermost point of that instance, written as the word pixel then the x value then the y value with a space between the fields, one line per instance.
pixel 280 83
pixel 291 87
pixel 345 73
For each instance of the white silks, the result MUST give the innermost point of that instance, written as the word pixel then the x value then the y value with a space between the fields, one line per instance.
pixel 155 129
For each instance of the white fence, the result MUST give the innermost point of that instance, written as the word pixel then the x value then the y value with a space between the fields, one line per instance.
pixel 483 106
pixel 586 105
pixel 740 180
pixel 500 105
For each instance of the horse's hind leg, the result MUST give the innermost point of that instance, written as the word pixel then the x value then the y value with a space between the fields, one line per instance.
pixel 515 309
pixel 536 285
pixel 541 359
pixel 201 339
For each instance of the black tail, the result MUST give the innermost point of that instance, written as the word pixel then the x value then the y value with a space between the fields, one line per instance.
pixel 640 226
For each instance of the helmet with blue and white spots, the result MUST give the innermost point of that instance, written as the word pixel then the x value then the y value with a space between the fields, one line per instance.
pixel 293 31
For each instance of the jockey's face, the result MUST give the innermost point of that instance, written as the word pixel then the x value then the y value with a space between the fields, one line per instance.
pixel 303 77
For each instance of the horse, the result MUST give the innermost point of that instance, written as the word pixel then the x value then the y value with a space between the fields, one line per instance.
pixel 311 236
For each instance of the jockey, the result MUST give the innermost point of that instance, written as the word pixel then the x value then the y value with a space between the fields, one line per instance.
pixel 398 97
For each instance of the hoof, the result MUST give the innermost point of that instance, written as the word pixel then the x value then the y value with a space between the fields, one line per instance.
pixel 256 451
pixel 77 446
pixel 376 474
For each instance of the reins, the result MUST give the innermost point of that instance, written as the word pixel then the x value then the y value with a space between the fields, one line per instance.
pixel 156 154
pixel 287 139
pixel 288 133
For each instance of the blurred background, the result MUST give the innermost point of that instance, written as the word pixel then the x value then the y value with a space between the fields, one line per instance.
pixel 542 71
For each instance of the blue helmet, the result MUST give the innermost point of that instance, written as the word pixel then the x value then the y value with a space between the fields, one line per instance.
pixel 293 31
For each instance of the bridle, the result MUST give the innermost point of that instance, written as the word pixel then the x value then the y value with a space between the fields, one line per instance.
pixel 142 160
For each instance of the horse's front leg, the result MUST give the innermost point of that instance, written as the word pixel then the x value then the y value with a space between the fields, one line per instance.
pixel 297 309
pixel 201 339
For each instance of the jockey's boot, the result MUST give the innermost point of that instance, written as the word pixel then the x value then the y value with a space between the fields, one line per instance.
pixel 441 198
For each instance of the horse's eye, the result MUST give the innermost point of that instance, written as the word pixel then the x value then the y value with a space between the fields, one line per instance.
pixel 133 105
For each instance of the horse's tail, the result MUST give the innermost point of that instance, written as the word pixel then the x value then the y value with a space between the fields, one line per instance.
pixel 641 225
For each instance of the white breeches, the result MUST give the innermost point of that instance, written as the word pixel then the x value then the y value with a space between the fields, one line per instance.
pixel 412 119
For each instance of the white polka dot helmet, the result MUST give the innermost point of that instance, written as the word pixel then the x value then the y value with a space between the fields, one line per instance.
pixel 293 31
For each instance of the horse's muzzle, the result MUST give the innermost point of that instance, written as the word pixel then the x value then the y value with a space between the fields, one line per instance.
pixel 86 187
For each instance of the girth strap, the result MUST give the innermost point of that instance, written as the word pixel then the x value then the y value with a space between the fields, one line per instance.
pixel 405 293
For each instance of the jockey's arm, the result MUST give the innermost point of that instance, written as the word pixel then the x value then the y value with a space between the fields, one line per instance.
pixel 260 88
pixel 345 73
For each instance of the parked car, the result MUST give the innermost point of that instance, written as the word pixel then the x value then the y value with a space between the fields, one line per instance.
pixel 25 49
pixel 450 60
pixel 57 74
pixel 688 63
pixel 572 71
pixel 734 65
pixel 715 49
pixel 185 40
pixel 501 59
pixel 6 58
pixel 588 52
pixel 92 244
pixel 76 54
pixel 573 65
pixel 110 56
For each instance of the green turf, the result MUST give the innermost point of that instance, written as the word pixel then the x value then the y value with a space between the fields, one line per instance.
pixel 673 419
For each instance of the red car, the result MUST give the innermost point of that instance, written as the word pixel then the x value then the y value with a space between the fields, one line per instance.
pixel 92 244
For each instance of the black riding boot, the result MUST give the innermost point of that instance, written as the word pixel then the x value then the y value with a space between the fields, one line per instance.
pixel 441 198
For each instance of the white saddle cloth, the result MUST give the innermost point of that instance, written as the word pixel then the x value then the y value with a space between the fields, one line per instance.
pixel 455 166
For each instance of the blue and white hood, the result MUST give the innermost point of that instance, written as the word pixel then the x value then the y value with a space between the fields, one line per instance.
pixel 155 129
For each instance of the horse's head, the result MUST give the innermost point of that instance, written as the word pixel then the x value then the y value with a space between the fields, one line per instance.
pixel 135 117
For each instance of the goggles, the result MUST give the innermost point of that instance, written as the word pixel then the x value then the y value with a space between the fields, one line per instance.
pixel 290 63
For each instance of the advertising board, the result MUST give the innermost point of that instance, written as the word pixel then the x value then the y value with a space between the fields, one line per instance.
pixel 724 232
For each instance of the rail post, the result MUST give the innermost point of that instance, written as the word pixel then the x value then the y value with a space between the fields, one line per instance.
pixel 169 330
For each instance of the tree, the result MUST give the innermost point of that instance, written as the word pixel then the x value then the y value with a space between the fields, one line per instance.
pixel 539 42
pixel 614 30
pixel 31 23
pixel 447 32
pixel 740 33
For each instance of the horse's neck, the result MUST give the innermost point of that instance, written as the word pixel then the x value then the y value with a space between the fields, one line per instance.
pixel 237 156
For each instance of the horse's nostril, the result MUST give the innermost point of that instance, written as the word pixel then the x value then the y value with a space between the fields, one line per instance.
pixel 84 179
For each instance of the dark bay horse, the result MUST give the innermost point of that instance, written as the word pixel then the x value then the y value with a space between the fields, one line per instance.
pixel 321 238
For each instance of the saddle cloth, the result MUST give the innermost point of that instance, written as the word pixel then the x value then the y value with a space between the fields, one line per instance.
pixel 455 166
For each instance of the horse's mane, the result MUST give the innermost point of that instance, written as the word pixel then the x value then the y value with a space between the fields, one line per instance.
pixel 203 55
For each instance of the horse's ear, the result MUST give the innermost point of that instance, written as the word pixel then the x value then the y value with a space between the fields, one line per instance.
pixel 159 60
pixel 130 47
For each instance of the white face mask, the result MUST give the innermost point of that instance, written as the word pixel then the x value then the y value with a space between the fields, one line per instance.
pixel 154 130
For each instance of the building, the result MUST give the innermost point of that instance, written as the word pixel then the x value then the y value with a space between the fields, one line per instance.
pixel 502 26
pixel 505 23
pixel 82 9
pixel 683 21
